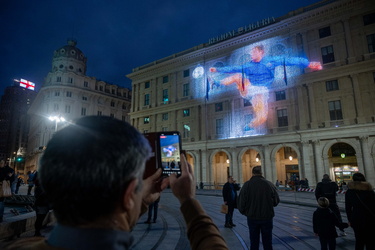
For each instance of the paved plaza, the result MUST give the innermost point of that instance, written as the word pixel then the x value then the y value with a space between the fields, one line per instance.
pixel 292 224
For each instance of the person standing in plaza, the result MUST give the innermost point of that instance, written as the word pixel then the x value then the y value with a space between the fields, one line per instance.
pixel 324 222
pixel 30 181
pixel 230 189
pixel 256 201
pixel 327 188
pixel 360 210
pixel 5 174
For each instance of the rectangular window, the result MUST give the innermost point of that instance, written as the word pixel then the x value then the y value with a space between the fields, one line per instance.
pixel 100 113
pixel 57 93
pixel 113 92
pixel 186 89
pixel 371 43
pixel 218 106
pixel 335 112
pixel 280 95
pixel 282 117
pixel 164 129
pixel 101 88
pixel 165 116
pixel 55 107
pixel 85 84
pixel 369 19
pixel 186 112
pixel 165 96
pixel 246 103
pixel 58 79
pixel 124 106
pixel 123 118
pixel 68 94
pixel 67 109
pixel 324 32
pixel 165 79
pixel 84 98
pixel 146 120
pixel 70 80
pixel 83 111
pixel 332 85
pixel 147 85
pixel 186 132
pixel 147 100
pixel 327 54
pixel 219 126
pixel 186 73
pixel 112 103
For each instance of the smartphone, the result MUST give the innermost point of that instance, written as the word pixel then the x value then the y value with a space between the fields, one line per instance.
pixel 166 153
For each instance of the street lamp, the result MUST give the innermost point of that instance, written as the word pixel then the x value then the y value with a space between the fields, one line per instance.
pixel 56 119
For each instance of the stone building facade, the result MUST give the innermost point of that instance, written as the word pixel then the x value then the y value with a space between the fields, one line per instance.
pixel 315 120
pixel 68 94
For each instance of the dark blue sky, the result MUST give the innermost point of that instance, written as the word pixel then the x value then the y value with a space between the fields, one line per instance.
pixel 117 35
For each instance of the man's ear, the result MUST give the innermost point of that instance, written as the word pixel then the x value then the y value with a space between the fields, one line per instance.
pixel 128 201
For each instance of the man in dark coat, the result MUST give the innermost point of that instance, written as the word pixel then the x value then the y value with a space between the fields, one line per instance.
pixel 230 198
pixel 360 209
pixel 327 188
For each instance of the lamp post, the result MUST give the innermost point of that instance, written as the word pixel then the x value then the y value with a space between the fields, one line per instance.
pixel 56 119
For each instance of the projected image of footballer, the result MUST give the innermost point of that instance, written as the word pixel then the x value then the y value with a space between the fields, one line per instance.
pixel 253 79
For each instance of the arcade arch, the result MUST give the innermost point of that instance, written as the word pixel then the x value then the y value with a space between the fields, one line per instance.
pixel 220 163
pixel 250 159
pixel 342 162
pixel 286 163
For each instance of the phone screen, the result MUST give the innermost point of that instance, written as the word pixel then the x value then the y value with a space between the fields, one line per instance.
pixel 170 153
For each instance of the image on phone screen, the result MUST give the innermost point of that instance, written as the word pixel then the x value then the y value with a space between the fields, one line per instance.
pixel 170 153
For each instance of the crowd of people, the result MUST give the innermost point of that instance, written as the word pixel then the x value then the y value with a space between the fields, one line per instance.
pixel 106 164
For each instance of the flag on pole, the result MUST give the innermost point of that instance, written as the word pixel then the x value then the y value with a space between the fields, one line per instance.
pixel 27 84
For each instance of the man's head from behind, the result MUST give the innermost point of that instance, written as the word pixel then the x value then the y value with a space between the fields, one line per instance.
pixel 257 170
pixel 88 166
pixel 323 202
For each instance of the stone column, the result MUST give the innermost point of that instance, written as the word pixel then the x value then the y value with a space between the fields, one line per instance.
pixel 357 99
pixel 267 166
pixel 307 162
pixel 311 105
pixel 319 165
pixel 369 168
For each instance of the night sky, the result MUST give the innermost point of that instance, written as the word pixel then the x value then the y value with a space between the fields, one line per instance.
pixel 117 35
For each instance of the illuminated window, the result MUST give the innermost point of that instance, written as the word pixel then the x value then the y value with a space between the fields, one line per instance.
pixel 68 94
pixel 67 109
pixel 327 54
pixel 186 89
pixel 332 85
pixel 165 95
pixel 371 43
pixel 147 100
pixel 335 112
pixel 186 73
pixel 165 79
pixel 219 126
pixel 218 106
pixel 186 132
pixel 112 103
pixel 58 79
pixel 100 113
pixel 85 84
pixel 147 85
pixel 324 32
pixel 186 112
pixel 282 117
pixel 146 120
pixel 83 111
pixel 246 103
pixel 70 80
pixel 369 19
pixel 165 116
pixel 280 95
pixel 57 93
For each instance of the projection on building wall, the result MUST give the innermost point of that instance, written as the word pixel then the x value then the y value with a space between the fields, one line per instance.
pixel 251 72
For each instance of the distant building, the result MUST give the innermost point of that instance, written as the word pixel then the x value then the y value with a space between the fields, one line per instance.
pixel 68 94
pixel 14 123
pixel 257 96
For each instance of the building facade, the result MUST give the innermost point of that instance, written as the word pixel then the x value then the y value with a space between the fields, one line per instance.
pixel 14 123
pixel 68 94
pixel 294 94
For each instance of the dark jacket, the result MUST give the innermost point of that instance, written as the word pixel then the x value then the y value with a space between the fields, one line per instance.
pixel 328 189
pixel 228 193
pixel 324 222
pixel 358 195
pixel 257 199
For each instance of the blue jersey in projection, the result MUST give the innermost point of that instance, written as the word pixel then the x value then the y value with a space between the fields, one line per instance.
pixel 262 73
